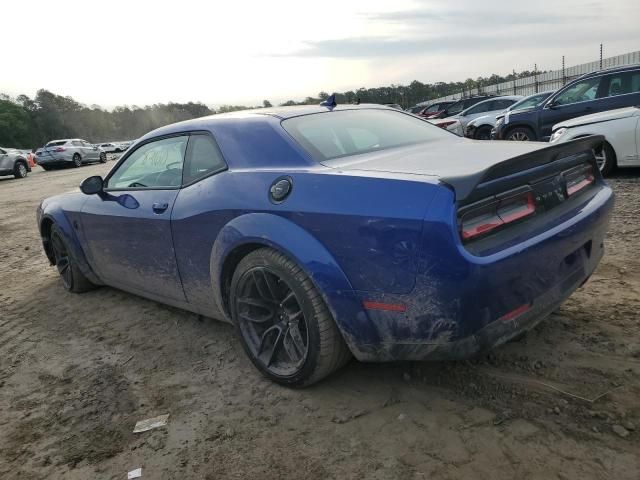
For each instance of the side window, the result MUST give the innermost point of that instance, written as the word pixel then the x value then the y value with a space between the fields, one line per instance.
pixel 623 83
pixel 582 91
pixel 154 165
pixel 76 143
pixel 502 104
pixel 480 108
pixel 203 158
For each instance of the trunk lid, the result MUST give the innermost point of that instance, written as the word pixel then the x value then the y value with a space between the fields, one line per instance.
pixel 465 164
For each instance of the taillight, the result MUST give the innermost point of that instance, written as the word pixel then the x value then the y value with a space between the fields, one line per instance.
pixel 489 215
pixel 445 124
pixel 60 149
pixel 578 179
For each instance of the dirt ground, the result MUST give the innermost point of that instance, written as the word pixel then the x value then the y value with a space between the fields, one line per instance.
pixel 78 371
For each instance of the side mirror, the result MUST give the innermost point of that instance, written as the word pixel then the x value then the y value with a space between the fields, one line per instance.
pixel 551 104
pixel 92 185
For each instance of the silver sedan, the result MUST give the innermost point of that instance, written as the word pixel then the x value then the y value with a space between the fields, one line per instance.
pixel 73 152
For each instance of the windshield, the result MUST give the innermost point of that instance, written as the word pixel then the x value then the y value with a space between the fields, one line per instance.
pixel 529 102
pixel 350 132
pixel 455 108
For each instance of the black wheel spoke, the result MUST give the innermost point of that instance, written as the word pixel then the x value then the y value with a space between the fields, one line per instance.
pixel 296 337
pixel 269 350
pixel 289 347
pixel 272 288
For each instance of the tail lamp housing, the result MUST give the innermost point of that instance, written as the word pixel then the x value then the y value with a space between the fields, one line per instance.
pixel 577 179
pixel 489 215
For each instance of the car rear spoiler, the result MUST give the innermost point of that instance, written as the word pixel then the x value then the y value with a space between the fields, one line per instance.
pixel 508 173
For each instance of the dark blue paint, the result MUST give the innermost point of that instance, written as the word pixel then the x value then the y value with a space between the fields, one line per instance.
pixel 358 234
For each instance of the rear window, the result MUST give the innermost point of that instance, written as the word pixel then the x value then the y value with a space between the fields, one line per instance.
pixel 56 144
pixel 342 133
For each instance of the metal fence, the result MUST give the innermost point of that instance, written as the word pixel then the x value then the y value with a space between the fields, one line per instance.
pixel 543 82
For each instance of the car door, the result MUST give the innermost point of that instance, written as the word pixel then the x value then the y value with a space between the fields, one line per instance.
pixel 622 89
pixel 89 152
pixel 579 98
pixel 127 228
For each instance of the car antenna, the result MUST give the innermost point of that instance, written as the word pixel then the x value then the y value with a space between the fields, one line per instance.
pixel 329 102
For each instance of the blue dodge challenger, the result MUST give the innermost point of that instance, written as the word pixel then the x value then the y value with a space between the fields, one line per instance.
pixel 323 232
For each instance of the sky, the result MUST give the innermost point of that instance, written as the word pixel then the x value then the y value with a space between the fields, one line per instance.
pixel 240 52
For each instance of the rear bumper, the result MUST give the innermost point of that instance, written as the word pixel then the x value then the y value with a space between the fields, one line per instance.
pixel 457 307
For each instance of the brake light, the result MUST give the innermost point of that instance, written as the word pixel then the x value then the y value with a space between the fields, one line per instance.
pixel 578 179
pixel 478 221
pixel 60 149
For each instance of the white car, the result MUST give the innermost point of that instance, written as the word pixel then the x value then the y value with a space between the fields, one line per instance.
pixel 620 128
pixel 458 123
pixel 480 128
pixel 111 147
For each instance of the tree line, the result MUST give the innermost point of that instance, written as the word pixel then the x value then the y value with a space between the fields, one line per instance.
pixel 31 122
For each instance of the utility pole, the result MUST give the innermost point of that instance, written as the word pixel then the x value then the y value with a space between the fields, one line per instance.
pixel 600 56
pixel 535 75
pixel 564 77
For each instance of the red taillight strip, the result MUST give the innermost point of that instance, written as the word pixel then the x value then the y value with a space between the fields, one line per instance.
pixel 529 209
pixel 515 313
pixel 580 185
pixel 389 307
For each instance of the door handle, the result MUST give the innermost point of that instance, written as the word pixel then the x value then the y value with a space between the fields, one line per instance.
pixel 160 207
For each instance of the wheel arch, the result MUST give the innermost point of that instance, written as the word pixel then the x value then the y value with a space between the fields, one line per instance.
pixel 511 126
pixel 252 231
pixel 615 153
pixel 57 217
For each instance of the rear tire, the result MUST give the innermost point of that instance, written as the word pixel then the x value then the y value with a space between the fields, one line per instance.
pixel 605 159
pixel 283 323
pixel 20 170
pixel 103 157
pixel 521 134
pixel 483 133
pixel 72 278
pixel 77 160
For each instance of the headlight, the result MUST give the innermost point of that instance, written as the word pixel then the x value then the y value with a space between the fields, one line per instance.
pixel 557 134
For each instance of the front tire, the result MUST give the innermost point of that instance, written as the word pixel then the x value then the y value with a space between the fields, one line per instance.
pixel 283 323
pixel 483 133
pixel 605 159
pixel 72 278
pixel 103 157
pixel 77 160
pixel 521 134
pixel 20 170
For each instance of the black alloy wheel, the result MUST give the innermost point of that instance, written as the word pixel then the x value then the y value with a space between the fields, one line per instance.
pixel 272 321
pixel 283 323
pixel 103 157
pixel 63 260
pixel 72 278
pixel 77 160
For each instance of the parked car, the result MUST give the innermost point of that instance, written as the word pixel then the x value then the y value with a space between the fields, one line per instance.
pixel 460 105
pixel 14 162
pixel 480 128
pixel 322 232
pixel 73 152
pixel 595 92
pixel 457 123
pixel 111 147
pixel 434 109
pixel 621 131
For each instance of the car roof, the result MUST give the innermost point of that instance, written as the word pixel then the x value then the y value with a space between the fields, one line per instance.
pixel 605 71
pixel 281 113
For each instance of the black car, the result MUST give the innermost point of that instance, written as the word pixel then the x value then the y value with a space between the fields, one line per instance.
pixel 462 104
pixel 595 92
